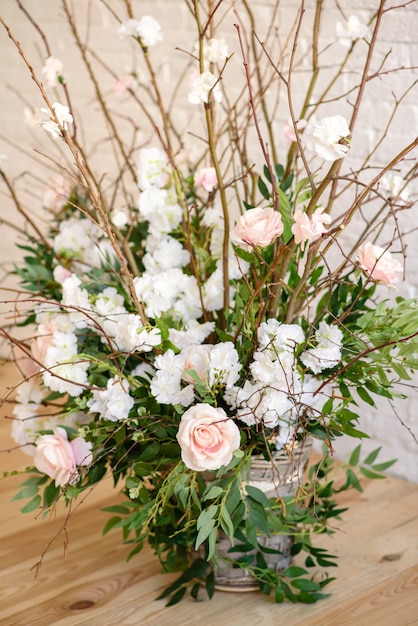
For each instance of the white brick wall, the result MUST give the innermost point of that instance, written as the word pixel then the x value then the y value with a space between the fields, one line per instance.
pixel 26 168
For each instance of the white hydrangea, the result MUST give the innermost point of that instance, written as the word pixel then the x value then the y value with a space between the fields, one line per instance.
pixel 193 333
pixel 113 403
pixel 329 138
pixel 203 86
pixel 187 305
pixel 168 253
pixel 395 187
pixel 215 50
pixel 275 336
pixel 224 366
pixel 351 30
pixel 268 368
pixel 152 168
pixel 327 354
pixel 171 291
pixel 64 372
pixel 131 336
pixel 161 210
pixel 147 28
pixel 128 29
pixel 213 290
pixel 119 218
pixel 77 300
pixel 166 384
pixel 75 237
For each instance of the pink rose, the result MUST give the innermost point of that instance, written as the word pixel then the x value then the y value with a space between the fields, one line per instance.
pixel 207 437
pixel 206 178
pixel 57 457
pixel 196 358
pixel 258 227
pixel 41 344
pixel 379 264
pixel 310 229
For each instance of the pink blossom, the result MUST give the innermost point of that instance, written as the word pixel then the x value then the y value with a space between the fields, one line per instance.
pixel 310 229
pixel 58 458
pixel 56 196
pixel 124 83
pixel 52 70
pixel 206 178
pixel 258 227
pixel 288 130
pixel 41 344
pixel 61 273
pixel 207 438
pixel 379 264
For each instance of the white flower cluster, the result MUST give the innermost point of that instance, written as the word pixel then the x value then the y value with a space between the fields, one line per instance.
pixel 329 137
pixel 29 421
pixel 349 31
pixel 203 86
pixel 82 241
pixel 147 29
pixel 62 114
pixel 56 347
pixel 164 287
pixel 278 392
pixel 112 403
pixel 216 366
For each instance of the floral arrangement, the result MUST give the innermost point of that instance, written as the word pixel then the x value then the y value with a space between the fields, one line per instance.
pixel 208 307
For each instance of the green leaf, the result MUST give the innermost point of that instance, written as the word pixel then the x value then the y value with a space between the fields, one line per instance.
pixel 262 187
pixel 278 594
pixel 257 495
pixel 355 456
pixel 372 456
pixel 294 572
pixel 26 492
pixel 227 525
pixel 381 467
pixel 110 524
pixel 305 585
pixel 175 599
pixel 213 536
pixel 370 474
pixel 365 396
pixel 32 505
pixel 213 493
pixel 352 480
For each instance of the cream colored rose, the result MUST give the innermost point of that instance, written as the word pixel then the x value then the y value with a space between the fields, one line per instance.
pixel 257 227
pixel 196 358
pixel 207 437
pixel 379 264
pixel 58 458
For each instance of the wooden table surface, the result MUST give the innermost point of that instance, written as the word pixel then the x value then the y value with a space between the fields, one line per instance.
pixel 89 581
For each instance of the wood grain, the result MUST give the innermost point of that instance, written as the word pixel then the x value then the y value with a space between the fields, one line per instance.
pixel 85 579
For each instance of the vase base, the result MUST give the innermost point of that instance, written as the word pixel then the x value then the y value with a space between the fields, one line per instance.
pixel 237 588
